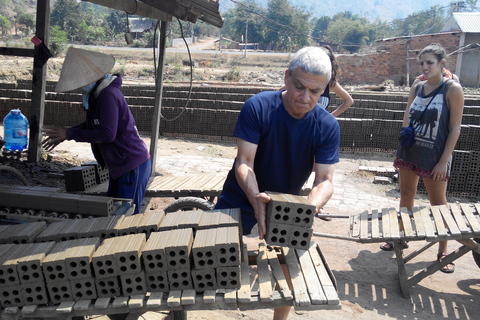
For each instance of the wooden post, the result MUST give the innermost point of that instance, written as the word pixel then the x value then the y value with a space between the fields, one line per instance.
pixel 158 95
pixel 37 107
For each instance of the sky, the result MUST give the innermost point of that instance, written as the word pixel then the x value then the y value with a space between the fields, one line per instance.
pixel 386 10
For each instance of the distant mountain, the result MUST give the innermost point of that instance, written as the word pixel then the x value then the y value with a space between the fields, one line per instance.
pixel 386 10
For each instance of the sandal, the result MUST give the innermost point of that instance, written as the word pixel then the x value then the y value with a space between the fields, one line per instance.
pixel 449 268
pixel 388 246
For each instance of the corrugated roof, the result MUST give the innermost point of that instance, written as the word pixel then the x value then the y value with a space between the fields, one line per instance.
pixel 187 10
pixel 468 22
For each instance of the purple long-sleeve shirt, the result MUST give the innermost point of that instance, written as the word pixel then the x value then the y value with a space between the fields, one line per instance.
pixel 111 130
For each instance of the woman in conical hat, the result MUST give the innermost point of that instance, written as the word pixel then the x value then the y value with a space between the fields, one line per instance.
pixel 109 126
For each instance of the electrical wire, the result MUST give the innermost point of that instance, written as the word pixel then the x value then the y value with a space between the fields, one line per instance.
pixel 191 71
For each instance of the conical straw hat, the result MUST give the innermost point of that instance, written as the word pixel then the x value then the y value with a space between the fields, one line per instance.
pixel 82 67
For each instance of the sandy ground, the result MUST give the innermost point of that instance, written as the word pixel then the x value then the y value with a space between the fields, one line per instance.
pixel 367 281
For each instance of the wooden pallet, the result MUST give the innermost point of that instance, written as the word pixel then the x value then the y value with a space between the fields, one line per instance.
pixel 263 285
pixel 195 185
pixel 431 224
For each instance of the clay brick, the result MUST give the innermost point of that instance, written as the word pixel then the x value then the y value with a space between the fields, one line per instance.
pixel 153 253
pixel 203 249
pixel 180 279
pixel 290 209
pixel 157 281
pixel 178 248
pixel 53 266
pixel 130 224
pixel 59 291
pixel 103 260
pixel 34 293
pixel 133 284
pixel 78 258
pixel 228 277
pixel 8 264
pixel 84 289
pixel 22 233
pixel 108 287
pixel 128 253
pixel 227 244
pixel 278 234
pixel 29 263
pixel 204 279
pixel 95 205
pixel 151 222
pixel 11 296
pixel 300 238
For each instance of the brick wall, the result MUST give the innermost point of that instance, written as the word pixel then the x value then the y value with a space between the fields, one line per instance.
pixel 360 69
pixel 397 49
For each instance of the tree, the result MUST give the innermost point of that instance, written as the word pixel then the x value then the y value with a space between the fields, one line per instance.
pixel 320 28
pixel 280 13
pixel 67 15
pixel 26 22
pixel 236 21
pixel 423 22
pixel 5 25
pixel 58 39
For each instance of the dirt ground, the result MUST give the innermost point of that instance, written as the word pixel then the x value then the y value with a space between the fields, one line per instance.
pixel 366 276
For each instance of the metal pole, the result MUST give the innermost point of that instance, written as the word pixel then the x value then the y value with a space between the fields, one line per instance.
pixel 246 32
pixel 162 44
pixel 408 63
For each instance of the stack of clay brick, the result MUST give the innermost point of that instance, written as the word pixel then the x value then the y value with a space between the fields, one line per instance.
pixel 289 221
pixel 50 200
pixel 84 177
pixel 149 257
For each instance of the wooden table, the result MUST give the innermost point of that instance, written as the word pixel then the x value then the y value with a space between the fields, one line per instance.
pixel 431 224
pixel 263 285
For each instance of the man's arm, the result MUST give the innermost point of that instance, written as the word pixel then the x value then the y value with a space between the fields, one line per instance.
pixel 248 182
pixel 322 189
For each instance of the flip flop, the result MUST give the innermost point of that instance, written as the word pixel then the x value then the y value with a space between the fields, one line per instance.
pixel 389 246
pixel 446 269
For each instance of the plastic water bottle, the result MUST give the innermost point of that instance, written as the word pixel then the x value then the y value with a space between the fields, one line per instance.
pixel 15 126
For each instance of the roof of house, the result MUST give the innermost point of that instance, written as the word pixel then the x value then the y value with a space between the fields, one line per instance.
pixel 187 10
pixel 468 22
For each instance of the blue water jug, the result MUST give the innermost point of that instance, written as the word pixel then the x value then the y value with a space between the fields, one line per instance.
pixel 15 126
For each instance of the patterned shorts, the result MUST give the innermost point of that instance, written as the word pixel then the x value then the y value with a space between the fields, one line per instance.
pixel 399 163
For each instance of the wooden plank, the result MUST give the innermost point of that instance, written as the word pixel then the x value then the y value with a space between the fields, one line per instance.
pixel 386 225
pixel 468 212
pixel 300 294
pixel 102 303
pixel 209 296
pixel 355 228
pixel 428 224
pixel 264 280
pixel 364 226
pixel 419 227
pixel 279 275
pixel 120 302
pixel 459 219
pixel 439 224
pixel 188 297
pixel 65 307
pixel 155 299
pixel 244 294
pixel 29 309
pixel 394 227
pixel 184 182
pixel 230 296
pixel 322 273
pixel 136 301
pixel 173 299
pixel 82 305
pixel 407 223
pixel 317 296
pixel 452 225
pixel 375 224
pixel 161 182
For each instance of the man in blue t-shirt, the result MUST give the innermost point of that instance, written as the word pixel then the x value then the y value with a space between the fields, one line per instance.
pixel 281 136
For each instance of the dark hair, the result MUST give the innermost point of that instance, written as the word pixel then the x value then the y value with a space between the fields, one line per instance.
pixel 436 49
pixel 335 66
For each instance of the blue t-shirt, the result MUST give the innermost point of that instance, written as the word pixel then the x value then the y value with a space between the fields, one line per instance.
pixel 287 147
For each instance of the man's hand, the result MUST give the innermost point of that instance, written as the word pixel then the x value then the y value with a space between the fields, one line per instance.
pixel 54 136
pixel 259 206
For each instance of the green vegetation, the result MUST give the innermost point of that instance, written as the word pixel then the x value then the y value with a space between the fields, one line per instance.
pixel 278 27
